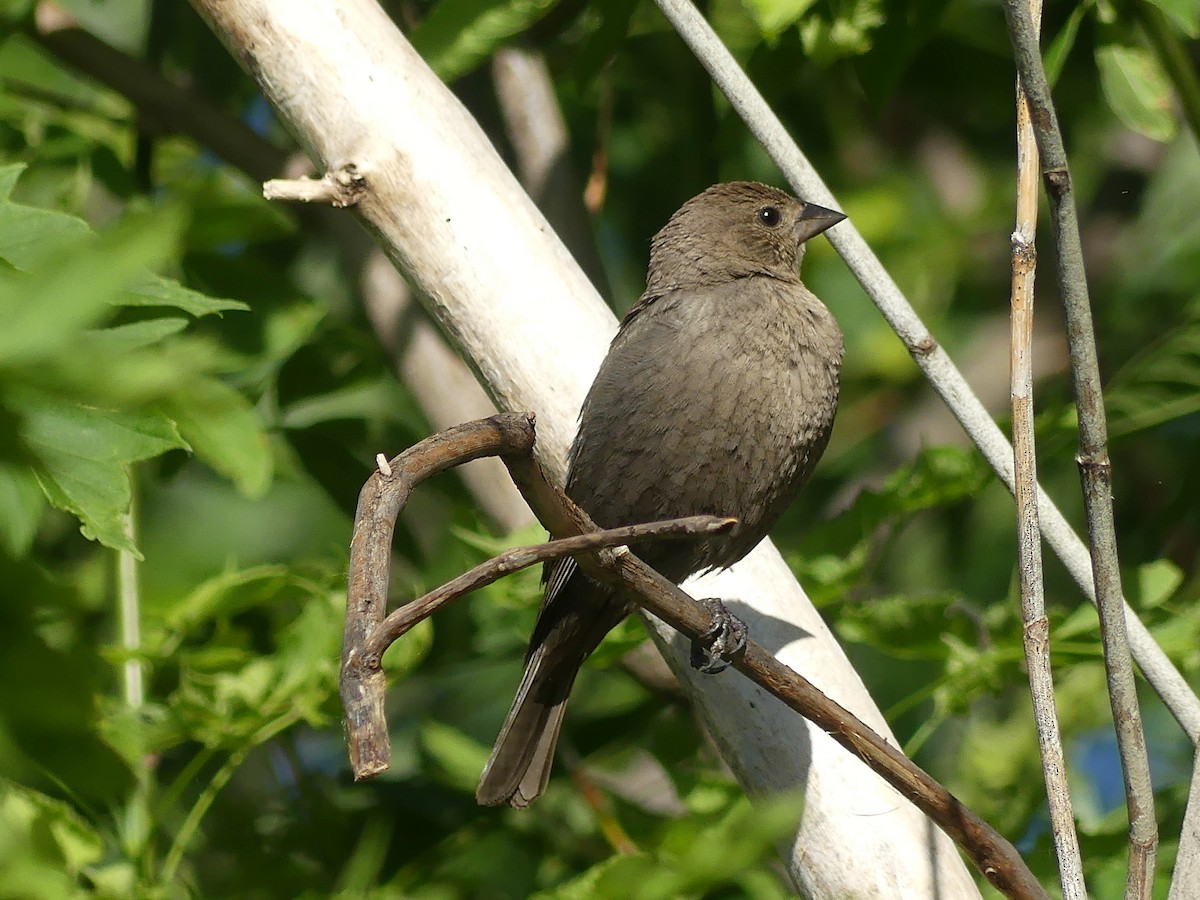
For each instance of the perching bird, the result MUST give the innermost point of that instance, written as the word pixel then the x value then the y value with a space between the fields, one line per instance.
pixel 716 397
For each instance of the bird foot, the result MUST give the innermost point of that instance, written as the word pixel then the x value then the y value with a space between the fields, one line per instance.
pixel 725 638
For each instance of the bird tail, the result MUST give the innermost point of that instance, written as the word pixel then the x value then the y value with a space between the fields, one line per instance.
pixel 519 767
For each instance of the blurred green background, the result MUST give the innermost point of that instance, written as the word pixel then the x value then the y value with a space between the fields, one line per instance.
pixel 191 394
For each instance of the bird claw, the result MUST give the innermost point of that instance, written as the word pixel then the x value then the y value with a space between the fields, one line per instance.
pixel 724 639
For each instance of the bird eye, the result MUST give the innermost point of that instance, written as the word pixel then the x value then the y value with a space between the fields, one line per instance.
pixel 770 216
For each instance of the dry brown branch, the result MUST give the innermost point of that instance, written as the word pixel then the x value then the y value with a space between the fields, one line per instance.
pixel 368 633
pixel 398 622
pixel 368 636
pixel 1029 538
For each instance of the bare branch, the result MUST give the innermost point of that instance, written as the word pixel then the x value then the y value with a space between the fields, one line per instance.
pixel 1029 540
pixel 398 623
pixel 338 189
pixel 1094 466
pixel 368 634
pixel 1187 862
pixel 379 503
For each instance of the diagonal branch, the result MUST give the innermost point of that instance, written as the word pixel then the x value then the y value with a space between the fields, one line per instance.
pixel 1094 467
pixel 369 633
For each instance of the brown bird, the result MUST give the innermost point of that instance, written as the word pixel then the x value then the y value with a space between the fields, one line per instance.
pixel 716 397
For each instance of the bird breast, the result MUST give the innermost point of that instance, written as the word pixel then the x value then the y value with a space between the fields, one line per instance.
pixel 716 400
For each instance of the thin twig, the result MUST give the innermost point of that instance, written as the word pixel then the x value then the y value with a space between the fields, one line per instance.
pixel 400 621
pixel 1094 467
pixel 1029 542
pixel 933 361
pixel 339 188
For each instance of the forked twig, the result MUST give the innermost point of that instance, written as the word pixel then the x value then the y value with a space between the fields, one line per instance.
pixel 369 631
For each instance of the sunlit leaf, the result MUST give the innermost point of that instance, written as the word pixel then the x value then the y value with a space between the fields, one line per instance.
pixel 83 457
pixel 774 16
pixel 1156 582
pixel 1185 14
pixel 457 759
pixel 225 432
pixel 30 236
pixel 23 503
pixel 848 33
pixel 154 290
pixel 1137 90
pixel 45 308
pixel 1056 54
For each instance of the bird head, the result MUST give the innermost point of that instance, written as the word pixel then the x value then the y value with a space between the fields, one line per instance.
pixel 734 230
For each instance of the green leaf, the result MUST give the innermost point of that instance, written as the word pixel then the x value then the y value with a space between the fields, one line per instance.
pixel 376 401
pixel 1137 90
pixel 1184 13
pixel 458 35
pixel 1157 581
pixel 21 506
pixel 134 336
pixel 457 758
pixel 83 457
pixel 773 17
pixel 44 844
pixel 16 10
pixel 228 693
pixel 1056 54
pixel 604 41
pixel 848 33
pixel 621 875
pixel 43 309
pixel 154 290
pixel 227 594
pixel 30 236
pixel 225 432
pixel 1161 382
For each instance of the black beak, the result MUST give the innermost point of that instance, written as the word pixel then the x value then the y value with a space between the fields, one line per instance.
pixel 815 219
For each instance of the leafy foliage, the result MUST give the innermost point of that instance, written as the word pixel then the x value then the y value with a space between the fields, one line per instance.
pixel 187 379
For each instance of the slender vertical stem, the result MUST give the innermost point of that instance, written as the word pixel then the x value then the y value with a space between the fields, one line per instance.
pixel 1094 466
pixel 1029 541
pixel 191 823
pixel 129 606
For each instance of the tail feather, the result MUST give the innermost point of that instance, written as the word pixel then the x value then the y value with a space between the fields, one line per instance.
pixel 519 768
pixel 575 616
